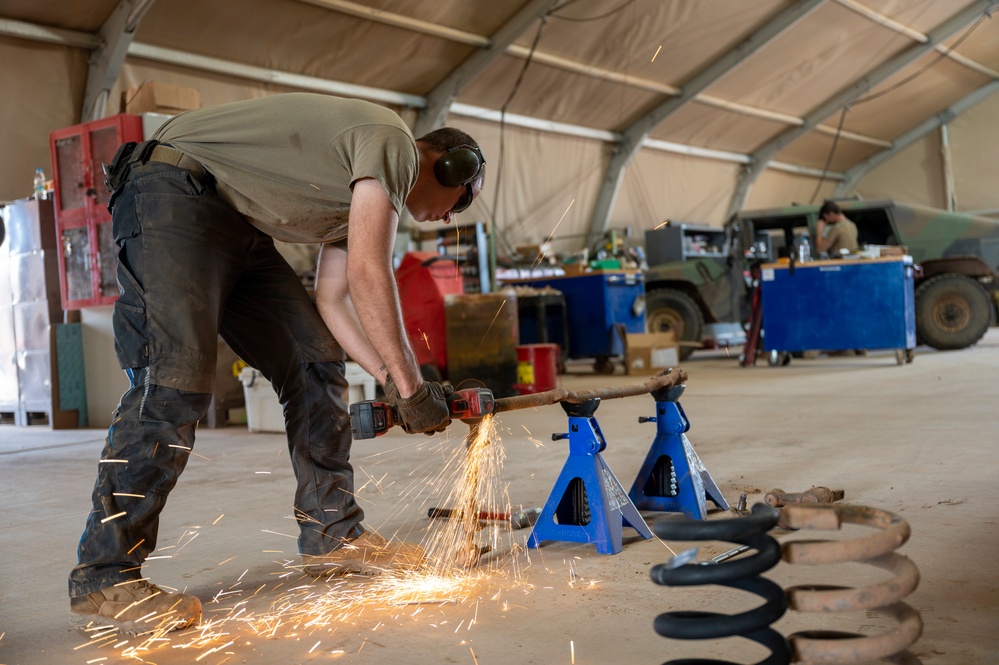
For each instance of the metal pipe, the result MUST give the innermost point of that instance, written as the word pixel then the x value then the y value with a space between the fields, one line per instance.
pixel 664 379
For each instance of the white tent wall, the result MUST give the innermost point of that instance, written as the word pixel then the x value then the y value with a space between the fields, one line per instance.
pixel 914 175
pixel 974 148
pixel 659 185
pixel 42 88
pixel 776 189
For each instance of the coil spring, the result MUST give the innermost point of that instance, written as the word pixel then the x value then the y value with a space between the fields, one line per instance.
pixel 875 549
pixel 741 574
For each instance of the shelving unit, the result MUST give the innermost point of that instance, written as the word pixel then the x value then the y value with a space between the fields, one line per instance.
pixel 468 245
pixel 682 242
pixel 87 254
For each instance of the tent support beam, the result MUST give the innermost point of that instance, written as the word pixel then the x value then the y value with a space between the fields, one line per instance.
pixel 881 73
pixel 107 59
pixel 444 93
pixel 638 132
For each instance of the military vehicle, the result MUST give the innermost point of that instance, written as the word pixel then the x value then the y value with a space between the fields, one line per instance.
pixel 699 282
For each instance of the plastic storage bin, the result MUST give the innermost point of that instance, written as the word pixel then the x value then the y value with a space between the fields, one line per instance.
pixel 263 410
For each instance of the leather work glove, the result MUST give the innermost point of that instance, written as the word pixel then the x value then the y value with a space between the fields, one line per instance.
pixel 426 410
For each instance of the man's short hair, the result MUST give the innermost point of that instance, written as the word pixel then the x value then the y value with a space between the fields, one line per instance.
pixel 446 138
pixel 829 207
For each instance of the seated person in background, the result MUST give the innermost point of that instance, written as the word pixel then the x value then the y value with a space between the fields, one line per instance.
pixel 834 232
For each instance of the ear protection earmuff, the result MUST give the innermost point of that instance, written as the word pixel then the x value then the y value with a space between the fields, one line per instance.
pixel 459 165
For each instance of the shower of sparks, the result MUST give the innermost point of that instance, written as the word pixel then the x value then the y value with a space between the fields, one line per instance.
pixel 572 652
pixel 454 579
pixel 113 517
pixel 659 226
pixel 657 52
pixel 423 336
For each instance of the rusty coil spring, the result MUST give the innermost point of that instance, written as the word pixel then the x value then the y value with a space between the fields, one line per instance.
pixel 875 549
pixel 741 574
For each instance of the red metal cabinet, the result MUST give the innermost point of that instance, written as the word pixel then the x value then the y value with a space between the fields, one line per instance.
pixel 87 255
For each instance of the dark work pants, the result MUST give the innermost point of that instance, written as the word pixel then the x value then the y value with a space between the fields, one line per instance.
pixel 191 268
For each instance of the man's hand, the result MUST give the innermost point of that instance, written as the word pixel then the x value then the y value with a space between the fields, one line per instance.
pixel 426 410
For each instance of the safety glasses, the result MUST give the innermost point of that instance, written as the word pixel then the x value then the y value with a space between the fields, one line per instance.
pixel 464 201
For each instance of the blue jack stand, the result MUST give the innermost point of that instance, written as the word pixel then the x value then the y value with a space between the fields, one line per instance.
pixel 588 501
pixel 673 478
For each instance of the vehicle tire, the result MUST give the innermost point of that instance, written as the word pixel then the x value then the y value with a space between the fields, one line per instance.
pixel 669 310
pixel 952 312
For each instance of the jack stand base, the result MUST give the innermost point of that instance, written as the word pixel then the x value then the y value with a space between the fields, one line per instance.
pixel 673 478
pixel 587 504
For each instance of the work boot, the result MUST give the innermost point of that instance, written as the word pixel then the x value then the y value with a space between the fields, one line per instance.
pixel 368 554
pixel 135 607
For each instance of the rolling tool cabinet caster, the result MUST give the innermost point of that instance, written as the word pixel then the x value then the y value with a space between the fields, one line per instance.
pixel 779 358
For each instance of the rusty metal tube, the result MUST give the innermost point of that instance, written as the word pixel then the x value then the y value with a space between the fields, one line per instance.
pixel 665 379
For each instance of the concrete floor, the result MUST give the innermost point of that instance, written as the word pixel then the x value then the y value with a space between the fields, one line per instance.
pixel 918 440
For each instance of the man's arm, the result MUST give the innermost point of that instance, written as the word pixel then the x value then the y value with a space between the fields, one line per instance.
pixel 356 291
pixel 822 244
pixel 335 306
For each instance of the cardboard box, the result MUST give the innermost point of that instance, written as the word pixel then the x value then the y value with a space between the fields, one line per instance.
pixel 159 97
pixel 647 353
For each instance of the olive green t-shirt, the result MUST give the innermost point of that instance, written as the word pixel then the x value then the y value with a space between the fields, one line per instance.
pixel 843 235
pixel 288 162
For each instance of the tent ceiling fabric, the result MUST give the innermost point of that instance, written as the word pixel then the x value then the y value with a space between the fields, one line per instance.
pixel 598 65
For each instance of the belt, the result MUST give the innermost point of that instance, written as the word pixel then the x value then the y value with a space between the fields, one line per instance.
pixel 174 157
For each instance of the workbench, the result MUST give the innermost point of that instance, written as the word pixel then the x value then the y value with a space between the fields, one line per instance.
pixel 839 305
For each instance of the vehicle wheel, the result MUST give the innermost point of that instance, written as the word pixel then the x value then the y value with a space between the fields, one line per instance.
pixel 952 312
pixel 674 311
